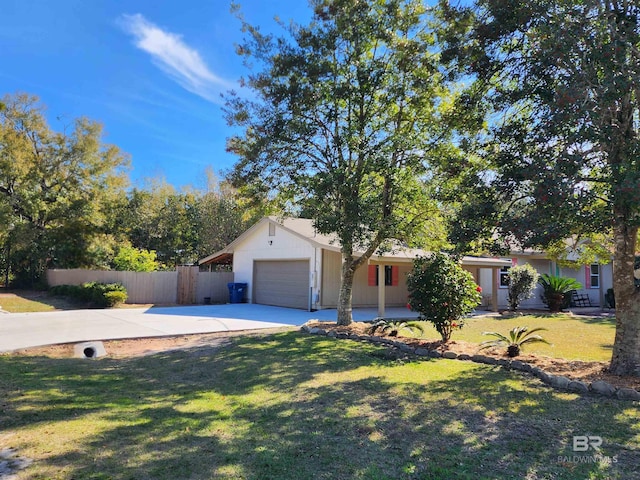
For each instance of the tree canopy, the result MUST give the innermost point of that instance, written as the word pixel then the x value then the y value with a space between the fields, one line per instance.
pixel 64 203
pixel 559 82
pixel 346 114
pixel 56 188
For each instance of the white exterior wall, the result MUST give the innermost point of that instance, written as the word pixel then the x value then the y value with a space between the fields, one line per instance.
pixel 596 295
pixel 281 246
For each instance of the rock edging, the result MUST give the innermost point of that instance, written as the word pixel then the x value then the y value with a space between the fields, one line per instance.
pixel 558 382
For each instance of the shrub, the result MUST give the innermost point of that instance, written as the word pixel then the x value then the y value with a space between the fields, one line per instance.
pixel 133 259
pixel 394 327
pixel 442 292
pixel 114 297
pixel 522 283
pixel 66 291
pixel 518 338
pixel 96 294
pixel 555 291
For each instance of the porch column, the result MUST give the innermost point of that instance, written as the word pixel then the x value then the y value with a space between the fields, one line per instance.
pixel 381 290
pixel 494 289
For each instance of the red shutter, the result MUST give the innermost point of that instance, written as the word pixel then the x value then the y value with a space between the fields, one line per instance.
pixel 587 276
pixel 395 273
pixel 514 262
pixel 372 275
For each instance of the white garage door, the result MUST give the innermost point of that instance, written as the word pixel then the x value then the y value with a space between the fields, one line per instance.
pixel 284 283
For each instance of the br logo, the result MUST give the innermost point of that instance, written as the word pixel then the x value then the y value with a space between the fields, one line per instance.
pixel 582 443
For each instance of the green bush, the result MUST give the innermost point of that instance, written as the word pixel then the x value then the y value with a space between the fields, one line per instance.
pixel 114 298
pixel 132 259
pixel 102 295
pixel 522 283
pixel 442 292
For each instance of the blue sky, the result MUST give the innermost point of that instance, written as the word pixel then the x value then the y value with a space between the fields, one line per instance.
pixel 150 71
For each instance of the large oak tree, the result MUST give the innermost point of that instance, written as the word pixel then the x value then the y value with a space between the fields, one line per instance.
pixel 56 188
pixel 344 116
pixel 561 82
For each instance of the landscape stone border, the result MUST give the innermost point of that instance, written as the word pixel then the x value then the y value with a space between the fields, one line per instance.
pixel 558 382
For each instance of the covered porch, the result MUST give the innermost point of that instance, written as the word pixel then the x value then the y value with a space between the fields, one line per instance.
pixel 472 264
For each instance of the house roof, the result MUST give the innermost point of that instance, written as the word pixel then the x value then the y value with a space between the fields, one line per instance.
pixel 304 228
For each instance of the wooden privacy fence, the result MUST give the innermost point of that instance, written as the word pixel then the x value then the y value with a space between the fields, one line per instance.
pixel 186 285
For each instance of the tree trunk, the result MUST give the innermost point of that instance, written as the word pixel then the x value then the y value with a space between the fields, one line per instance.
pixel 345 309
pixel 626 349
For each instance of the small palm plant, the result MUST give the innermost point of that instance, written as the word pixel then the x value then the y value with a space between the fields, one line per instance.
pixel 518 337
pixel 555 289
pixel 393 328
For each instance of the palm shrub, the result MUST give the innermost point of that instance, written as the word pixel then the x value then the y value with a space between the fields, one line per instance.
pixel 393 328
pixel 518 337
pixel 555 290
pixel 442 292
pixel 522 283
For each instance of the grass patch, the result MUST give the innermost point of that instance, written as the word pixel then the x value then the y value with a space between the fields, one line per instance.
pixel 290 406
pixel 572 337
pixel 20 301
pixel 31 301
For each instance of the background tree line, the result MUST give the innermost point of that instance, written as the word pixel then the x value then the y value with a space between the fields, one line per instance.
pixel 66 202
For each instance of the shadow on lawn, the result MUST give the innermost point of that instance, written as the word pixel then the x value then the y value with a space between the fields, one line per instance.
pixel 300 407
pixel 17 298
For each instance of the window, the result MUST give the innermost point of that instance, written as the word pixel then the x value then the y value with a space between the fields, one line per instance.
pixel 504 277
pixel 272 229
pixel 594 275
pixel 390 275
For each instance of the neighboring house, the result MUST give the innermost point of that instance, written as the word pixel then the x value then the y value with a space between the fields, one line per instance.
pixel 595 278
pixel 285 262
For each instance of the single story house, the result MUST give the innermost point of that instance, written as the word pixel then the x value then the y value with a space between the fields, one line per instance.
pixel 286 262
pixel 595 278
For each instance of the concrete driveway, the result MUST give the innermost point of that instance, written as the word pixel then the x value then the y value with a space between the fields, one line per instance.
pixel 22 330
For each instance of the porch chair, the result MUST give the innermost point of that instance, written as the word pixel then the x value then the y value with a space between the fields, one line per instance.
pixel 580 299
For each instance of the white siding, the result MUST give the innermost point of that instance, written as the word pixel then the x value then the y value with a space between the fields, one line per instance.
pixel 281 246
pixel 596 295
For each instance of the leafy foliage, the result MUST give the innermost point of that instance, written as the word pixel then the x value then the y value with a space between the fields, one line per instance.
pixel 101 295
pixel 561 80
pixel 183 226
pixel 556 289
pixel 395 327
pixel 131 259
pixel 56 188
pixel 522 283
pixel 347 114
pixel 442 292
pixel 518 337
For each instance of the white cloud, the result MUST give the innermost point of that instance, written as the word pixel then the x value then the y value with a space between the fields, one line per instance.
pixel 170 53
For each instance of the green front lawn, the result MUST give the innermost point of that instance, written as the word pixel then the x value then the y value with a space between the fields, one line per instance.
pixel 32 301
pixel 291 406
pixel 572 337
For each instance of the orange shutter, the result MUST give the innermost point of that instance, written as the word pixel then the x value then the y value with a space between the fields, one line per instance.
pixel 395 271
pixel 372 275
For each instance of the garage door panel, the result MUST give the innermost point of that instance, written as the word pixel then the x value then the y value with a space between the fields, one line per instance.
pixel 281 283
